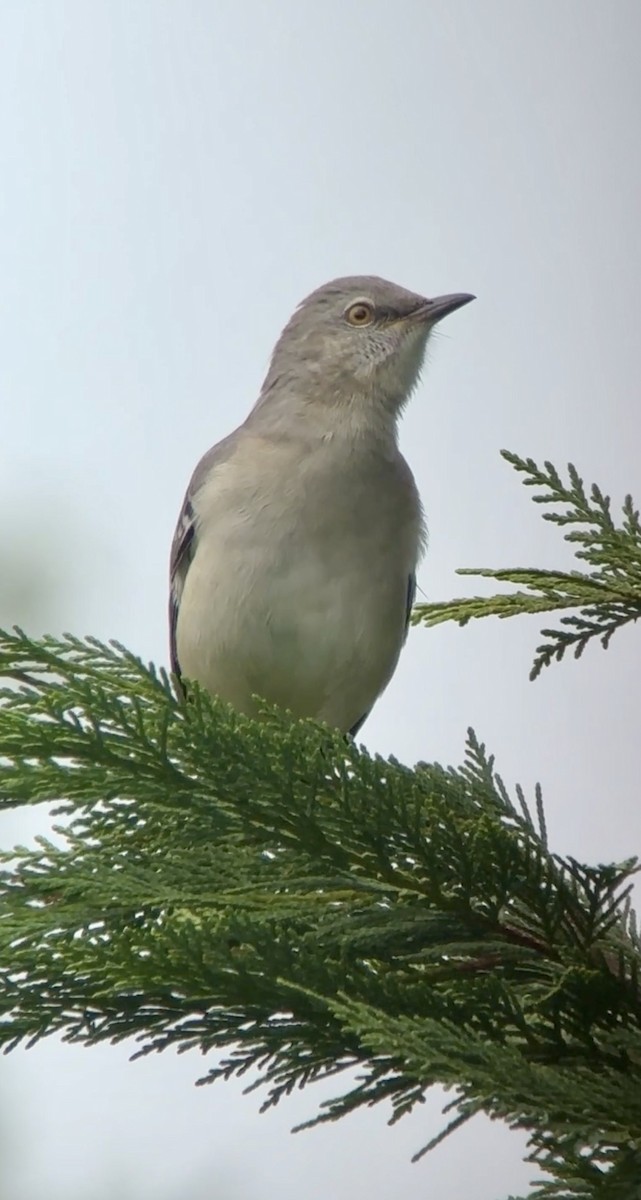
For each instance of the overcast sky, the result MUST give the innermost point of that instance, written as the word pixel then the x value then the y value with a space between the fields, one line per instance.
pixel 175 177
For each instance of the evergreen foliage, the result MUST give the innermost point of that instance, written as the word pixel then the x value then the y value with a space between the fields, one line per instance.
pixel 607 597
pixel 273 895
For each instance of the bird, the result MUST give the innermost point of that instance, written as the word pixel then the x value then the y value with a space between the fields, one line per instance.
pixel 293 565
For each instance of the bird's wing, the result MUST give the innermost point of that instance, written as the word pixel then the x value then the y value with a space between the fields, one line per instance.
pixel 409 603
pixel 185 543
pixel 182 553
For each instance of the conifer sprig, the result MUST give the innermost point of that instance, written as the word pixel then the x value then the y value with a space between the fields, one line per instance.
pixel 267 893
pixel 607 597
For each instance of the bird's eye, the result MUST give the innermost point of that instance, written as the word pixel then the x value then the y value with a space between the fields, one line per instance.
pixel 360 313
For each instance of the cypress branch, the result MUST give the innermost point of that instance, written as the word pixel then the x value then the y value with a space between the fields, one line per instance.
pixel 278 898
pixel 607 597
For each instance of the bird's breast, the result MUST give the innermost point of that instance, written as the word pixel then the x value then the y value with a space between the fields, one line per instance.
pixel 298 585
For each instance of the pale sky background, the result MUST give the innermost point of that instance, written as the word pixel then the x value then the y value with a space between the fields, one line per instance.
pixel 175 176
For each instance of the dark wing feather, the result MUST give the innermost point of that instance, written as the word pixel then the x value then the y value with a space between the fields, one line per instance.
pixel 409 603
pixel 182 553
pixel 411 593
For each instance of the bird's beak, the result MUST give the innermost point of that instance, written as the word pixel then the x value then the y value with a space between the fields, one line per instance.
pixel 434 310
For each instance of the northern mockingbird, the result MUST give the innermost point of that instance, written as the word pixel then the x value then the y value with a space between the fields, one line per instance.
pixel 293 562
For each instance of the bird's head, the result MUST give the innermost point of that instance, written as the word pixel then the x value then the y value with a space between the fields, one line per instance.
pixel 358 336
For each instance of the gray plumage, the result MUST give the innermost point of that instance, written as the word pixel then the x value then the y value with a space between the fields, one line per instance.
pixel 293 563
